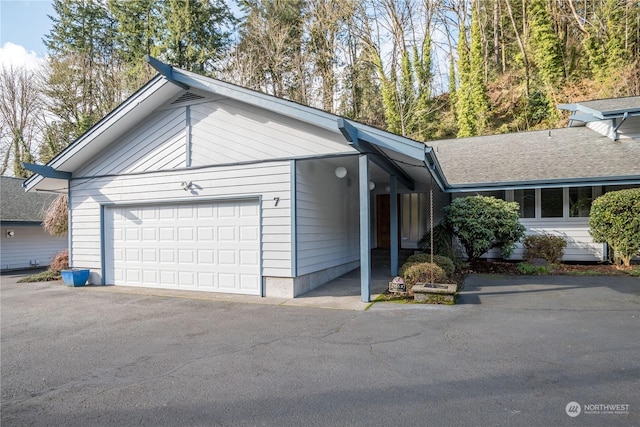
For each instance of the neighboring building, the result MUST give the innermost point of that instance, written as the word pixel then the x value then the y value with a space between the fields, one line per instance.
pixel 23 241
pixel 553 174
pixel 193 183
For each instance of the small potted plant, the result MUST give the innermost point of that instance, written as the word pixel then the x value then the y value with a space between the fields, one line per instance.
pixel 75 277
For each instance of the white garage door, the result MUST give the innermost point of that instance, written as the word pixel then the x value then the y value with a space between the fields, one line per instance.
pixel 201 246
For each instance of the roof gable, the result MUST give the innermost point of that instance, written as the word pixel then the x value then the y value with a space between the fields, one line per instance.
pixel 170 86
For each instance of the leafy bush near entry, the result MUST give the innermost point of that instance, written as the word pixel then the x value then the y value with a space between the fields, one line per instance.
pixel 442 261
pixel 442 242
pixel 545 246
pixel 615 219
pixel 482 223
pixel 421 273
pixel 60 261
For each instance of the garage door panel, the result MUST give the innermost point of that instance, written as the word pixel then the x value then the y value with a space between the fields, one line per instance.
pixel 227 281
pixel 200 246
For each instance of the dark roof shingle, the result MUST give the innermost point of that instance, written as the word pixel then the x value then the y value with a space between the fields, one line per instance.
pixel 17 205
pixel 568 154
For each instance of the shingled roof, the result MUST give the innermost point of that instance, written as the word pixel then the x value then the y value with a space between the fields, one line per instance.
pixel 18 206
pixel 568 155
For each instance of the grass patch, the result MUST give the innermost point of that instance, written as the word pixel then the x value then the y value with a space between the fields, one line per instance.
pixel 583 273
pixel 634 272
pixel 529 269
pixel 43 276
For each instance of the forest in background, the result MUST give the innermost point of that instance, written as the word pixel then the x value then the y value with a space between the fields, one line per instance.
pixel 424 69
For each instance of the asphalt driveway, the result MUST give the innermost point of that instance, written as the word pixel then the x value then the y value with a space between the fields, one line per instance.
pixel 517 351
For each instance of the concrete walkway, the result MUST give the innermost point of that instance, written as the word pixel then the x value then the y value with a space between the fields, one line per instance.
pixel 342 293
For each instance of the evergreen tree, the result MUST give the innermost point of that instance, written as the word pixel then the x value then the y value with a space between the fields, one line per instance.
pixel 545 45
pixel 196 33
pixel 139 29
pixel 606 44
pixel 422 112
pixel 479 99
pixel 464 91
pixel 82 67
pixel 390 99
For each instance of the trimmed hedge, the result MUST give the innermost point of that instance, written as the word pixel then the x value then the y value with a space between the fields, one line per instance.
pixel 421 273
pixel 442 261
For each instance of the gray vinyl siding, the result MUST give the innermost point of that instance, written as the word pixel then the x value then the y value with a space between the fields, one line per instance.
pixel 228 131
pixel 30 243
pixel 268 180
pixel 327 215
pixel 158 143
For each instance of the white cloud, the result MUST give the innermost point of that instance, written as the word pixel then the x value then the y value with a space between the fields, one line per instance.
pixel 18 56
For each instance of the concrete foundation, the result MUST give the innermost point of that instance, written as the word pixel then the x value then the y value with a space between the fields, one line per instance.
pixel 291 287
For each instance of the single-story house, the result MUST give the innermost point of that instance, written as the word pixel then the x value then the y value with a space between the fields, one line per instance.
pixel 194 183
pixel 553 174
pixel 23 241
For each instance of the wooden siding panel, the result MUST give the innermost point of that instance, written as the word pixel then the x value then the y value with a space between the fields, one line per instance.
pixel 327 218
pixel 268 180
pixel 158 143
pixel 228 131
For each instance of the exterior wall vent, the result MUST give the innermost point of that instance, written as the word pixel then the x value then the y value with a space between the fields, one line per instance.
pixel 187 97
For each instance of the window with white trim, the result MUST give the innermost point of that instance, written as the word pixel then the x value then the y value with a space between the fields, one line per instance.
pixel 550 203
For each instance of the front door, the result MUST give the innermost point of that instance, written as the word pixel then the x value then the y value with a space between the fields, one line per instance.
pixel 383 221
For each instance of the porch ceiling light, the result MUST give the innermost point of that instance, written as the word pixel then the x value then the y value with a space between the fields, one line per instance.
pixel 341 172
pixel 372 185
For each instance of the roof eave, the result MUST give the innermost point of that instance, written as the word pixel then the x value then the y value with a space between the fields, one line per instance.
pixel 548 183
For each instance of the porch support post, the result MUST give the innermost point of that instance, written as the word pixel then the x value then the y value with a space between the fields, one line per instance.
pixel 365 228
pixel 393 203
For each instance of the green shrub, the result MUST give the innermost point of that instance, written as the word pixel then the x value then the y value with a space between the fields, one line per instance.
pixel 615 219
pixel 528 269
pixel 545 246
pixel 442 242
pixel 442 261
pixel 482 223
pixel 421 273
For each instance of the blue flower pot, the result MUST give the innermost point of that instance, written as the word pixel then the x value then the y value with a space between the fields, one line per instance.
pixel 75 277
